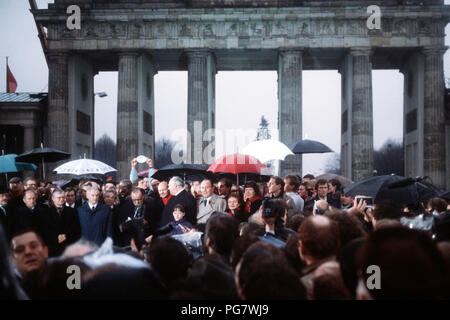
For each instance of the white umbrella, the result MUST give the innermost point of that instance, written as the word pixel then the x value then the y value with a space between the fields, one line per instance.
pixel 266 150
pixel 84 166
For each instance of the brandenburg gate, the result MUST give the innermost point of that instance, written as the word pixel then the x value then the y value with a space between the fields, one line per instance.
pixel 138 38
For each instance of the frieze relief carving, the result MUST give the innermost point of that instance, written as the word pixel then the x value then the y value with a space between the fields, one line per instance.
pixel 258 29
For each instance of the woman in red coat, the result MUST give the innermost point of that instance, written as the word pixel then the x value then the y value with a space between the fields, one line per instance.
pixel 252 197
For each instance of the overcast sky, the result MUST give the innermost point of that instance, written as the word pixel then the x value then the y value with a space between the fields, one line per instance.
pixel 241 97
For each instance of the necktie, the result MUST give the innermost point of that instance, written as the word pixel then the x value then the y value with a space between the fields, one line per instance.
pixel 205 202
pixel 60 210
pixel 3 210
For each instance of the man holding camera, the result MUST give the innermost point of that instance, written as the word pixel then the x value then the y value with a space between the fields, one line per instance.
pixel 138 222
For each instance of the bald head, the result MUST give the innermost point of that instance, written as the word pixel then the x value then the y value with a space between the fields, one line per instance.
pixel 318 238
pixel 163 189
pixel 321 207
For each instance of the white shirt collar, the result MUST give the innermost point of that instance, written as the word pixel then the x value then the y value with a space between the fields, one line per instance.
pixel 179 192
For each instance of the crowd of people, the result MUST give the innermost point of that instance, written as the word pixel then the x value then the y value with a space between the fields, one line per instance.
pixel 293 238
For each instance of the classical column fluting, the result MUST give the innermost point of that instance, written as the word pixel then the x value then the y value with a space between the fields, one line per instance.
pixel 127 113
pixel 362 115
pixel 201 102
pixel 58 112
pixel 434 116
pixel 290 67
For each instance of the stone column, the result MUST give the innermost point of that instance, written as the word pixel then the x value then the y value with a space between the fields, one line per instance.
pixel 346 71
pixel 58 133
pixel 434 116
pixel 290 67
pixel 362 114
pixel 201 103
pixel 127 113
pixel 58 116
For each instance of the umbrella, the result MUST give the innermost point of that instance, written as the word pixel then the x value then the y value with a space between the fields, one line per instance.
pixel 384 187
pixel 445 195
pixel 425 190
pixel 187 171
pixel 309 146
pixel 328 176
pixel 84 166
pixel 42 155
pixel 237 163
pixel 266 150
pixel 8 164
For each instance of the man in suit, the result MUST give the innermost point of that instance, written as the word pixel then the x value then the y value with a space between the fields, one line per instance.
pixel 276 191
pixel 29 215
pixel 322 194
pixel 209 203
pixel 69 195
pixel 95 218
pixel 61 226
pixel 179 196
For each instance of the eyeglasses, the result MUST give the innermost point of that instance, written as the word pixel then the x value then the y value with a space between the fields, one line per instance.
pixel 234 190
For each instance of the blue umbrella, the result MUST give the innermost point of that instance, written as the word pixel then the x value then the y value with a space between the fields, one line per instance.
pixel 8 164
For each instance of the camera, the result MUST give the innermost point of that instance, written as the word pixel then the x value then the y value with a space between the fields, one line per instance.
pixel 135 228
pixel 370 201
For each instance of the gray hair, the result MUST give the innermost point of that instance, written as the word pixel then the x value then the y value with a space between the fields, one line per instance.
pixel 88 191
pixel 178 181
pixel 57 191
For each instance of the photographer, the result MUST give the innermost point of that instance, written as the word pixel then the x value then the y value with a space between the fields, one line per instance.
pixel 273 211
pixel 137 225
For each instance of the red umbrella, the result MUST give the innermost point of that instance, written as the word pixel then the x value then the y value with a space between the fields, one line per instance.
pixel 237 163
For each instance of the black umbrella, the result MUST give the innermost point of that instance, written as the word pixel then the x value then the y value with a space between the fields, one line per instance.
pixel 445 195
pixel 425 189
pixel 42 155
pixel 186 171
pixel 309 146
pixel 385 187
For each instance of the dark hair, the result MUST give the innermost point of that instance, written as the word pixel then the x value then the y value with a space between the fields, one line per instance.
pixel 349 226
pixel 69 189
pixel 319 240
pixel 169 258
pixel 274 208
pixel 387 210
pixel 221 230
pixel 278 181
pixel 293 181
pixel 226 182
pixel 410 263
pixel 294 222
pixel 22 231
pixel 320 182
pixel 308 176
pixel 266 275
pixel 438 204
pixel 241 244
pixel 336 183
pixel 179 207
pixel 254 186
pixel 138 190
pixel 208 278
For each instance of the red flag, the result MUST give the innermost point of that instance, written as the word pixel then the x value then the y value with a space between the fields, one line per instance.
pixel 11 83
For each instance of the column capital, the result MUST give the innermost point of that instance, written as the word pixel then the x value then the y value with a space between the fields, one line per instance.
pixel 128 54
pixel 434 50
pixel 291 51
pixel 57 55
pixel 361 51
pixel 198 53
